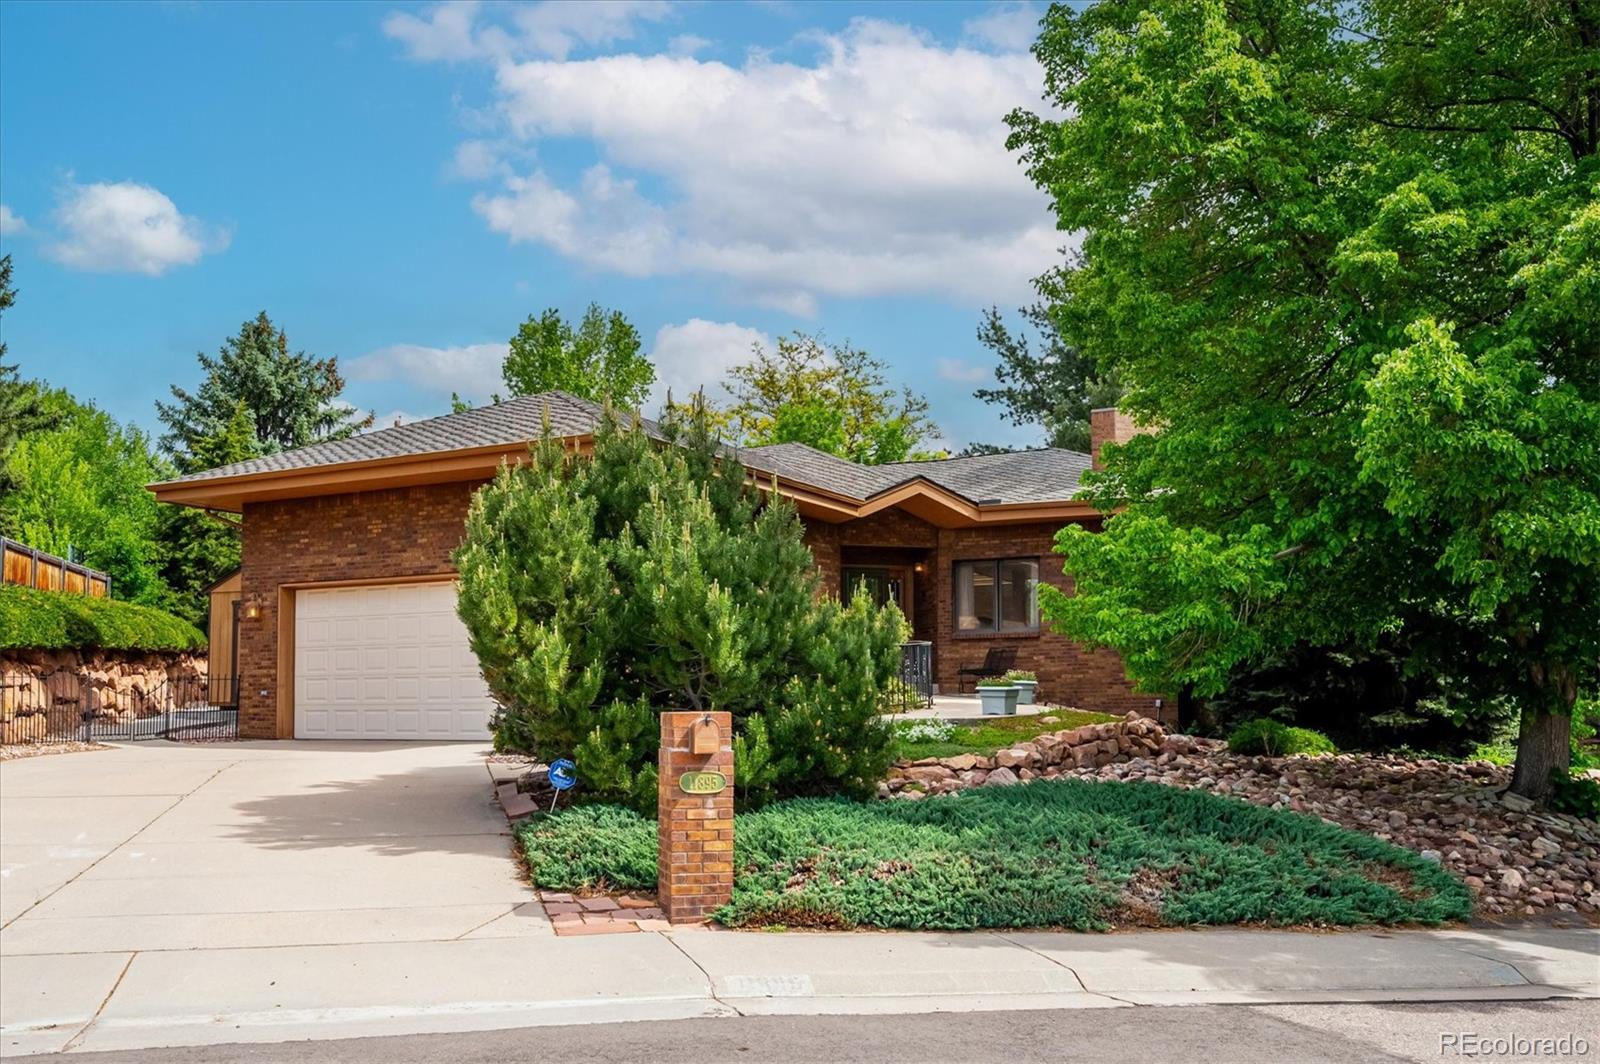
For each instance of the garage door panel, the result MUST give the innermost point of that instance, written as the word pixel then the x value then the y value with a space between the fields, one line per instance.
pixel 386 662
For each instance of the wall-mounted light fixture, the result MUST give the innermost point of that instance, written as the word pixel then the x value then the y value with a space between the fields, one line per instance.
pixel 252 611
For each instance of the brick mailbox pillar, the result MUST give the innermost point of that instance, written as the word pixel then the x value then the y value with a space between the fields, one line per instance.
pixel 694 816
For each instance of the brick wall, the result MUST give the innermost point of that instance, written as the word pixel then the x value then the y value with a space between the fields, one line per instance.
pixel 403 532
pixel 888 528
pixel 823 539
pixel 1068 674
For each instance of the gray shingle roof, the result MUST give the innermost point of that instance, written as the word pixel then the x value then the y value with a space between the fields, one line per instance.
pixel 1046 475
pixel 514 421
pixel 796 461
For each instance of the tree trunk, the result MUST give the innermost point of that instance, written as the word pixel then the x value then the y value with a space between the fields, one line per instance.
pixel 1543 747
pixel 1188 709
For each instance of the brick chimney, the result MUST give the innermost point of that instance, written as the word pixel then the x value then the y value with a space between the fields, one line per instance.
pixel 1109 425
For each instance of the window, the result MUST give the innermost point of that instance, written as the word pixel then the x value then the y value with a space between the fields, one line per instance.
pixel 997 596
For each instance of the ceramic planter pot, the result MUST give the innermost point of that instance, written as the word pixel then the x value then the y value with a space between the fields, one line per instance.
pixel 1025 691
pixel 999 701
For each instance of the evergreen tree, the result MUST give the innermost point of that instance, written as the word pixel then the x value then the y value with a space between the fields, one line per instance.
pixel 292 398
pixel 198 547
pixel 22 406
pixel 599 360
pixel 1047 382
pixel 664 582
pixel 257 398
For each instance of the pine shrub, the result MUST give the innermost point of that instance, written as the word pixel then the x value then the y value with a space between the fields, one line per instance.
pixel 1265 736
pixel 598 592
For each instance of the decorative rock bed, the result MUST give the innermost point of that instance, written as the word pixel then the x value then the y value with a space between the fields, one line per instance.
pixel 1518 861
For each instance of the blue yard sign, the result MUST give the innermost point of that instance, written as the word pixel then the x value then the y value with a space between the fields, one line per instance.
pixel 563 774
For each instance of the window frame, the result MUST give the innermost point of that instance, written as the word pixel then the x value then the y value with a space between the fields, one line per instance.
pixel 994 567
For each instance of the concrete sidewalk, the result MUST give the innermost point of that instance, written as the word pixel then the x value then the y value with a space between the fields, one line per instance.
pixel 93 1001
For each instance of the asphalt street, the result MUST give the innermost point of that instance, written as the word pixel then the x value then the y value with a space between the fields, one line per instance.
pixel 1237 1034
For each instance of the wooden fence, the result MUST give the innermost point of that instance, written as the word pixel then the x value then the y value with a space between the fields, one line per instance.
pixel 34 568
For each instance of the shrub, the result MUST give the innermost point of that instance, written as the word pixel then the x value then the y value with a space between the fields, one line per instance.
pixel 1050 853
pixel 661 581
pixel 1020 675
pixel 1585 722
pixel 1577 795
pixel 994 681
pixel 1404 700
pixel 1074 854
pixel 1266 736
pixel 590 847
pixel 54 620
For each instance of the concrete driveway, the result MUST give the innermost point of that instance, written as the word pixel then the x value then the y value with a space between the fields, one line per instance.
pixel 159 846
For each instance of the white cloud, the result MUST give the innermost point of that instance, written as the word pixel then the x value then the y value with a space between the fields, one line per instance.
pixel 478 160
pixel 1011 27
pixel 126 226
pixel 11 223
pixel 699 354
pixel 688 44
pixel 556 27
pixel 452 32
pixel 447 33
pixel 953 369
pixel 472 370
pixel 880 169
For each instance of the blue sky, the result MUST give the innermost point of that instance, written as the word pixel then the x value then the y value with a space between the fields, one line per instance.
pixel 400 185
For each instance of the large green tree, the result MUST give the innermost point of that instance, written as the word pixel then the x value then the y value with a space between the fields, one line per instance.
pixel 22 405
pixel 256 397
pixel 79 489
pixel 831 396
pixel 1344 254
pixel 292 398
pixel 599 359
pixel 1042 380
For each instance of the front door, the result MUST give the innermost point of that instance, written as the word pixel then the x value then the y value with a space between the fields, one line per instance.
pixel 883 583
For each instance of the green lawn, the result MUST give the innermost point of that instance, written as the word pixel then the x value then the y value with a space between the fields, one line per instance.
pixel 1052 853
pixel 994 735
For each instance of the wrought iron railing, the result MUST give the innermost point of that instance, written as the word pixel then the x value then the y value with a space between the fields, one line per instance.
pixel 81 707
pixel 916 673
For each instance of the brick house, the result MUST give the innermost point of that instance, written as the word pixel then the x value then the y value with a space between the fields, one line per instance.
pixel 347 607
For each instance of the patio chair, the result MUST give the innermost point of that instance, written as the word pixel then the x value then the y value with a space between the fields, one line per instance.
pixel 998 660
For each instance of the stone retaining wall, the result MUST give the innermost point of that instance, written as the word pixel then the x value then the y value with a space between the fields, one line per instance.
pixel 1043 756
pixel 43 691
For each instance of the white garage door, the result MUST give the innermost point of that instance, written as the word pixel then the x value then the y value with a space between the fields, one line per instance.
pixel 385 662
